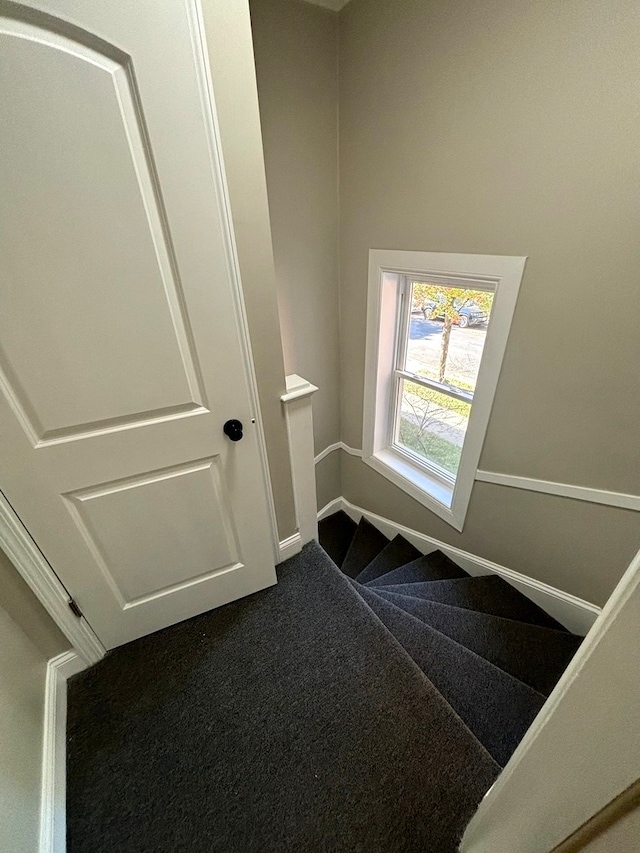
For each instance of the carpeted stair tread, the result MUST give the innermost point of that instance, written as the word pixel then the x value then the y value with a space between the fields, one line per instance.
pixel 366 544
pixel 487 594
pixel 495 706
pixel 287 721
pixel 535 655
pixel 397 553
pixel 335 534
pixel 430 567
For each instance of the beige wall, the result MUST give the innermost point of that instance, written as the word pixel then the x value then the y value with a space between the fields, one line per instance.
pixel 28 638
pixel 22 677
pixel 328 479
pixel 295 47
pixel 509 127
pixel 21 605
pixel 614 829
pixel 622 837
pixel 228 31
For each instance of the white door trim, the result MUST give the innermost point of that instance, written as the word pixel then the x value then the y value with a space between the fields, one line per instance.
pixel 575 613
pixel 20 548
pixel 54 752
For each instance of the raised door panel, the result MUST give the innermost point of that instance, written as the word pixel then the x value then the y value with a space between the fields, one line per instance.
pixel 151 535
pixel 89 275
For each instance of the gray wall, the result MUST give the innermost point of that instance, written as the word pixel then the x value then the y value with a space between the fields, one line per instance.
pixel 28 638
pixel 295 47
pixel 509 127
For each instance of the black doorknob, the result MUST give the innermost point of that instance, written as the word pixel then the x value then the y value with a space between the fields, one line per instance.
pixel 233 429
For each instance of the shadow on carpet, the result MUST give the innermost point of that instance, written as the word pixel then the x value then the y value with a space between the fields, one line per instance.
pixel 288 721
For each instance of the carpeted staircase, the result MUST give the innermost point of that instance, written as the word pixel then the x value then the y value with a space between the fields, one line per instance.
pixel 361 710
pixel 490 652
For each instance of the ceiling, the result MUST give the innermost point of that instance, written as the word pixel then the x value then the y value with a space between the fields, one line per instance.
pixel 336 5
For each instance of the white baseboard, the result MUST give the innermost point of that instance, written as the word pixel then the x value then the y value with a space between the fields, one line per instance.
pixel 54 752
pixel 573 612
pixel 289 547
pixel 331 507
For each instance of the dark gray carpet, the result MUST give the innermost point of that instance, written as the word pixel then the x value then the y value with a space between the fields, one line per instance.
pixel 534 655
pixel 489 650
pixel 488 594
pixel 497 707
pixel 287 721
pixel 336 532
pixel 431 567
pixel 397 553
pixel 366 544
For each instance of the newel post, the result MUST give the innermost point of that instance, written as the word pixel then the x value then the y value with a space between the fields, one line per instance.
pixel 299 417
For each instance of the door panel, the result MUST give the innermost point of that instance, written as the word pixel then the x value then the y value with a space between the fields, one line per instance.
pixel 102 247
pixel 175 520
pixel 122 345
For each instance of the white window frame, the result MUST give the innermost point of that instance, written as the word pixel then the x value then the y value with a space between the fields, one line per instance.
pixel 445 496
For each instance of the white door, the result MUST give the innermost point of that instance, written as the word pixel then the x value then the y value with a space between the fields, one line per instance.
pixel 122 351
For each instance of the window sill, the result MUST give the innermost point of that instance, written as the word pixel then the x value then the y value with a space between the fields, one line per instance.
pixel 427 489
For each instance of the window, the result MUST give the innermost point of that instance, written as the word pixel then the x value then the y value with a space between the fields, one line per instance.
pixel 437 328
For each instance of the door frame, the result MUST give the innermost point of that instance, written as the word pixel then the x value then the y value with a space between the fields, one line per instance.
pixel 38 574
pixel 15 539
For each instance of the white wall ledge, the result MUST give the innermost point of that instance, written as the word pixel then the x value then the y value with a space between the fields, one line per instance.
pixel 620 500
pixel 563 490
pixel 297 388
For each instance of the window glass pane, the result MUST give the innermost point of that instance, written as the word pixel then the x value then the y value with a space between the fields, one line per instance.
pixel 447 332
pixel 432 425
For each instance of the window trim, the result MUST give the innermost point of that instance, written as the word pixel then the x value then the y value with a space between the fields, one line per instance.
pixel 387 267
